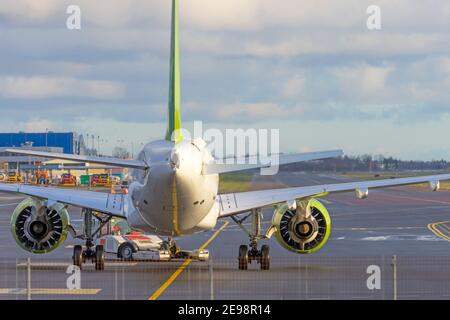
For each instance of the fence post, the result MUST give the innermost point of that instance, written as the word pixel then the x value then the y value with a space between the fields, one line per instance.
pixel 28 278
pixel 211 278
pixel 115 284
pixel 394 269
pixel 17 278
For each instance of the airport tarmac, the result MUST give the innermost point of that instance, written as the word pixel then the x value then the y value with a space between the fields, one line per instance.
pixel 408 222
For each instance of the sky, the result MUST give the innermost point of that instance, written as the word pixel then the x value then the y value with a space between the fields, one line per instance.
pixel 309 68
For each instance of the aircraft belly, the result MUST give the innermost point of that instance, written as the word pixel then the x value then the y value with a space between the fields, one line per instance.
pixel 180 204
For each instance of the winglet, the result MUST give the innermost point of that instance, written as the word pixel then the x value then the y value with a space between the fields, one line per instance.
pixel 174 118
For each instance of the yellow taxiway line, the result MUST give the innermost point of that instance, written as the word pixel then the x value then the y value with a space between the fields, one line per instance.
pixel 180 269
pixel 434 227
pixel 50 291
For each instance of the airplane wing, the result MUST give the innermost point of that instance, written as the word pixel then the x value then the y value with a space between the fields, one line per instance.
pixel 111 204
pixel 240 164
pixel 136 164
pixel 235 203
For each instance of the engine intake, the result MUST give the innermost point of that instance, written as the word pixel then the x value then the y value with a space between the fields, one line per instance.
pixel 304 229
pixel 37 228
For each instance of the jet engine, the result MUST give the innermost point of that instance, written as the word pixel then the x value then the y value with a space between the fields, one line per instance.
pixel 302 228
pixel 38 228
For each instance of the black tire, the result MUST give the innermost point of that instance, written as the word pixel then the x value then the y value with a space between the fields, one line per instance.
pixel 265 258
pixel 77 257
pixel 125 251
pixel 99 258
pixel 243 257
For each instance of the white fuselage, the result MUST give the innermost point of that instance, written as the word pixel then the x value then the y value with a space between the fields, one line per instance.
pixel 173 197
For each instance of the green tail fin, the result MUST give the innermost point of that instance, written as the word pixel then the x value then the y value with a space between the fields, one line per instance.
pixel 174 120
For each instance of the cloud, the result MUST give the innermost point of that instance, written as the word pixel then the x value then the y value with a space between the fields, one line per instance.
pixel 254 111
pixel 365 82
pixel 37 125
pixel 50 87
pixel 294 87
pixel 26 11
pixel 235 15
pixel 248 62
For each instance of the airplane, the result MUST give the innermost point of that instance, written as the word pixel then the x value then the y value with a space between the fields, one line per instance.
pixel 174 192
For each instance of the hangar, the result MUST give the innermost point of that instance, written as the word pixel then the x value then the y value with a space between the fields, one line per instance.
pixel 70 142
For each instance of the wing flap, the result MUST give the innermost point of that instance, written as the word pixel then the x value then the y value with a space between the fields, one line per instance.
pixel 235 203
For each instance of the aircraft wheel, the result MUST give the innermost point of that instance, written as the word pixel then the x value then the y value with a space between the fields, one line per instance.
pixel 125 251
pixel 99 258
pixel 265 258
pixel 243 257
pixel 77 257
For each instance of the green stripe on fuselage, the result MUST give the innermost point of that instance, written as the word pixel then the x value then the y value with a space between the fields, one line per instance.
pixel 174 120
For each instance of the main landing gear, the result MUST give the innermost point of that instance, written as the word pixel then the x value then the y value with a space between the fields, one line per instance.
pixel 250 253
pixel 91 252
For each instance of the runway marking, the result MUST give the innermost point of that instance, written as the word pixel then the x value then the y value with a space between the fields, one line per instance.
pixel 340 201
pixel 415 198
pixel 401 238
pixel 175 275
pixel 50 291
pixel 66 264
pixel 344 215
pixel 9 204
pixel 378 228
pixel 434 227
pixel 11 198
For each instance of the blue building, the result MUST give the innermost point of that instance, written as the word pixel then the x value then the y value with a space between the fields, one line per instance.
pixel 70 142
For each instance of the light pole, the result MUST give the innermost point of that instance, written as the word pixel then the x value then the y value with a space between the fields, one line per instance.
pixel 87 144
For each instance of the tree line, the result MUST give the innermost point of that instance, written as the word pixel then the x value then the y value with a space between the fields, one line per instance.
pixel 368 162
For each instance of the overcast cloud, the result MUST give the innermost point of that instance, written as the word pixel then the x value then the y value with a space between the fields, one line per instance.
pixel 310 68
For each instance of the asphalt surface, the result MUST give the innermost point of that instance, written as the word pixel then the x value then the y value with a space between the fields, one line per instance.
pixel 408 222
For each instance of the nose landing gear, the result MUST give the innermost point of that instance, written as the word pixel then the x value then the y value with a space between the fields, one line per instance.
pixel 251 253
pixel 176 252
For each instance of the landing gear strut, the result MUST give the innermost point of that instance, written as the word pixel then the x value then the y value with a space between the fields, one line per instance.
pixel 91 252
pixel 251 253
pixel 173 248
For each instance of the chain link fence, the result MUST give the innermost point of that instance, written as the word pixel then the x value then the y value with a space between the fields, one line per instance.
pixel 381 278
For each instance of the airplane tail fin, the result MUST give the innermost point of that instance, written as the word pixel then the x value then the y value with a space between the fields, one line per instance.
pixel 174 118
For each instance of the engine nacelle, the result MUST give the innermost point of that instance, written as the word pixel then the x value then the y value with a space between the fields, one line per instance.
pixel 435 185
pixel 362 193
pixel 37 228
pixel 303 230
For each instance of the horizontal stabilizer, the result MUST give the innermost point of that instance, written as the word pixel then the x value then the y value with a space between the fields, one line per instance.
pixel 136 164
pixel 246 163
